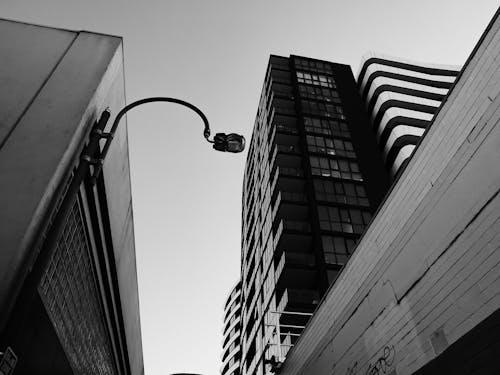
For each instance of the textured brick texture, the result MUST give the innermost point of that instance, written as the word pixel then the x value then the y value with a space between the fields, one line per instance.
pixel 425 278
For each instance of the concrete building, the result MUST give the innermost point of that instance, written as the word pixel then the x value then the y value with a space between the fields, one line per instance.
pixel 402 97
pixel 313 178
pixel 421 292
pixel 68 284
pixel 231 345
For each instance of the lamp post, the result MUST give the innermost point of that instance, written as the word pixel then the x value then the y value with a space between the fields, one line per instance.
pixel 12 318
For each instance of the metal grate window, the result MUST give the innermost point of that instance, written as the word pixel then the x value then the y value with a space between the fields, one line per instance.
pixel 70 295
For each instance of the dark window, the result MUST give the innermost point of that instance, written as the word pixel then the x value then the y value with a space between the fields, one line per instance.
pixel 345 169
pixel 337 249
pixel 340 192
pixel 327 127
pixel 313 65
pixel 343 219
pixel 284 106
pixel 316 79
pixel 329 146
pixel 319 93
pixel 323 109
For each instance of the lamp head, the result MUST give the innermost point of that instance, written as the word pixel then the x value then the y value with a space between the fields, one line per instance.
pixel 231 142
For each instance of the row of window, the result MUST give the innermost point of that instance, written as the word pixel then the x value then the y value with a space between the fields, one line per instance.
pixel 321 166
pixel 313 65
pixel 316 79
pixel 291 171
pixel 323 109
pixel 337 147
pixel 340 192
pixel 302 226
pixel 337 249
pixel 287 128
pixel 327 127
pixel 295 149
pixel 342 219
pixel 284 106
pixel 319 93
pixel 293 196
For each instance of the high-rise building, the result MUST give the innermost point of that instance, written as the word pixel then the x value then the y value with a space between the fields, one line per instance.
pixel 402 97
pixel 312 181
pixel 231 348
pixel 68 282
pixel 421 293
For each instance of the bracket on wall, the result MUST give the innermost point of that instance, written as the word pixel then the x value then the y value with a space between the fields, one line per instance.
pixel 92 154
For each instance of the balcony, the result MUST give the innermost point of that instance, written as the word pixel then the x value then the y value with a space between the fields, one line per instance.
pixel 296 271
pixel 288 159
pixel 297 298
pixel 289 149
pixel 281 89
pixel 279 74
pixel 299 259
pixel 292 242
pixel 295 308
pixel 297 226
pixel 292 209
pixel 284 130
pixel 292 171
pixel 293 196
pixel 286 125
pixel 286 142
pixel 287 129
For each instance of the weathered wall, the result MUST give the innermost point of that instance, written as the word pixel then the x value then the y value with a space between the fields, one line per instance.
pixel 428 268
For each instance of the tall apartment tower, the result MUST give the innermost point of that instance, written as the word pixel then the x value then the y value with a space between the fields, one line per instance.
pixel 313 179
pixel 401 97
pixel 231 345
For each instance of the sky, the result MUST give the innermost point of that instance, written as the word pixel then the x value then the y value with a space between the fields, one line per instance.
pixel 213 53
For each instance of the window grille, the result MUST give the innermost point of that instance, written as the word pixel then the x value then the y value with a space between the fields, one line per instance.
pixel 70 295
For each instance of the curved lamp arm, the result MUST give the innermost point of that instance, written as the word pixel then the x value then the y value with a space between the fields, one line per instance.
pixel 221 142
pixel 206 131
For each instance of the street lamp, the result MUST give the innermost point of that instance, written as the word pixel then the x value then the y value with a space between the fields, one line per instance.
pixel 221 142
pixel 92 156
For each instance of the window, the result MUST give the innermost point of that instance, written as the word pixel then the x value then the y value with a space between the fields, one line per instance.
pixel 335 168
pixel 328 146
pixel 294 149
pixel 323 109
pixel 340 192
pixel 319 93
pixel 284 106
pixel 327 127
pixel 342 219
pixel 337 249
pixel 316 79
pixel 315 65
pixel 280 76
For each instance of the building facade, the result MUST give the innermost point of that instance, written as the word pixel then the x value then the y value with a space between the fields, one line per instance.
pixel 421 293
pixel 231 344
pixel 312 181
pixel 68 290
pixel 402 97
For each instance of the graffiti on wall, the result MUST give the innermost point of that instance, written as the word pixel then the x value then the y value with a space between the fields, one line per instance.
pixel 381 366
